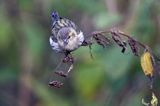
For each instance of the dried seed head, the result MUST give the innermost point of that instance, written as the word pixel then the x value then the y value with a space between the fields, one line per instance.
pixel 133 45
pixel 56 84
pixel 68 58
pixel 61 73
pixel 119 41
pixel 154 101
pixel 146 63
pixel 101 39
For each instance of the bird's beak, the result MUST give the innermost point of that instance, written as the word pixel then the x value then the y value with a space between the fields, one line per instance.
pixel 65 42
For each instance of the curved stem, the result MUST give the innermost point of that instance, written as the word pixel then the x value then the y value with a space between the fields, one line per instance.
pixel 142 45
pixel 120 33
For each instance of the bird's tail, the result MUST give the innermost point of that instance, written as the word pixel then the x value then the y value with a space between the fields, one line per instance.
pixel 55 16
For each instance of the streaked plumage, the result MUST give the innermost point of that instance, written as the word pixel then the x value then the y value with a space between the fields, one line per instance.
pixel 65 34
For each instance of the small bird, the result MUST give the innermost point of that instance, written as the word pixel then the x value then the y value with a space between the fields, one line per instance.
pixel 66 37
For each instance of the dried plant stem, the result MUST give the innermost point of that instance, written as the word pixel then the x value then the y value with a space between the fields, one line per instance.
pixel 142 45
pixel 70 68
pixel 121 33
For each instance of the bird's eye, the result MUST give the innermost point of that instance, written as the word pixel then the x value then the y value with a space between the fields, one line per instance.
pixel 69 37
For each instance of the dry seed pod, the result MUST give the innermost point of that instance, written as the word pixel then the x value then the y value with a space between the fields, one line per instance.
pixel 146 63
pixel 154 101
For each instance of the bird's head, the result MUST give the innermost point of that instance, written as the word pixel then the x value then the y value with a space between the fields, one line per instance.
pixel 69 39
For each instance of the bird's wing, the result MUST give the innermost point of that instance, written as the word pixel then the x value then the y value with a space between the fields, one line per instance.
pixel 69 23
pixel 61 23
pixel 54 44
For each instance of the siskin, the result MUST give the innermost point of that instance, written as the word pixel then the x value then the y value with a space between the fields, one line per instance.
pixel 66 36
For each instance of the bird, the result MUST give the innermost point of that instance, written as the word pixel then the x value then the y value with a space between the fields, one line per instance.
pixel 66 36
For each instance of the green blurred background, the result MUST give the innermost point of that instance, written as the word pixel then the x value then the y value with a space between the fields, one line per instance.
pixel 27 62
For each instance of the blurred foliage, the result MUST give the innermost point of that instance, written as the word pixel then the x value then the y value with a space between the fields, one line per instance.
pixel 110 79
